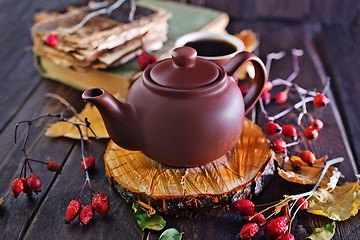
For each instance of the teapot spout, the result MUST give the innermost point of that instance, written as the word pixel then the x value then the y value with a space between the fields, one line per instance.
pixel 120 118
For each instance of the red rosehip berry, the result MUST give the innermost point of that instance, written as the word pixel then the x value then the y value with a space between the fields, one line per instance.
pixel 268 86
pixel 53 167
pixel 27 189
pixel 72 211
pixel 320 100
pixel 145 60
pixel 311 133
pixel 317 124
pixel 244 206
pixel 244 89
pixel 249 230
pixel 100 203
pixel 34 182
pixel 275 228
pixel 86 214
pixel 51 40
pixel 266 96
pixel 152 59
pixel 308 157
pixel 304 206
pixel 281 97
pixel 279 145
pixel 90 162
pixel 289 131
pixel 273 129
pixel 255 218
pixel 287 236
pixel 17 187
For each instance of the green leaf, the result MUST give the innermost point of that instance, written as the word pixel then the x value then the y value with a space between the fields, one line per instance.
pixel 323 233
pixel 153 222
pixel 171 234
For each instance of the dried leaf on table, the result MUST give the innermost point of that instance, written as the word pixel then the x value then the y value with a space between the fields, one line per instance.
pixel 64 129
pixel 340 204
pixel 323 233
pixel 249 39
pixel 307 174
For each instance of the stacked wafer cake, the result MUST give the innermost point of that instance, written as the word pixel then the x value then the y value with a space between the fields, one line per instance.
pixel 103 41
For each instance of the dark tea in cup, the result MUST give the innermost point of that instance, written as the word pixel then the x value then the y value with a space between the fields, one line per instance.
pixel 212 47
pixel 219 48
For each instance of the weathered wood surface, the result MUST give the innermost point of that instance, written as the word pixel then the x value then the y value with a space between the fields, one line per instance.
pixel 335 53
pixel 328 12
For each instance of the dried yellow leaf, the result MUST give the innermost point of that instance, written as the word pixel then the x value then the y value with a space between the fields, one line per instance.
pixel 64 129
pixel 307 174
pixel 340 204
pixel 249 39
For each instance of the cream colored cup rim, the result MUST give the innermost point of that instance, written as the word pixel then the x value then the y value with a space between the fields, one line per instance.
pixel 195 36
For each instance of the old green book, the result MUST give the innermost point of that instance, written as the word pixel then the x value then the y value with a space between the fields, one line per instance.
pixel 185 19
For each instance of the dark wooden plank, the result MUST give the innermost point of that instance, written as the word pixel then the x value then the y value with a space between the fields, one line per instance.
pixel 16 213
pixel 341 54
pixel 120 222
pixel 18 76
pixel 335 11
pixel 286 9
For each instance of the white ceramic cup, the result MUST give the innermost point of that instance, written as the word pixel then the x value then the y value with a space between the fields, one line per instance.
pixel 202 36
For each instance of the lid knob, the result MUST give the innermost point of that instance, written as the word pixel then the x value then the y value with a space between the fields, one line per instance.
pixel 184 56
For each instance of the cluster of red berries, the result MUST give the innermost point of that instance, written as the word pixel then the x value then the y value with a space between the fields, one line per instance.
pixel 312 132
pixel 32 183
pixel 274 129
pixel 145 59
pixel 99 203
pixel 51 40
pixel 274 229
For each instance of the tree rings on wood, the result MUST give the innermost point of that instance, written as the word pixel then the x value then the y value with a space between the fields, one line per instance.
pixel 239 174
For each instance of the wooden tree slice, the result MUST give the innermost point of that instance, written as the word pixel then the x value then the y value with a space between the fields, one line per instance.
pixel 239 174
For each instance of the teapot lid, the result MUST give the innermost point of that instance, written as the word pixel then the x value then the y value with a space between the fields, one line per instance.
pixel 184 70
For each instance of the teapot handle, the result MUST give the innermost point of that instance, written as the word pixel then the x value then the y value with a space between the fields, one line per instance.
pixel 236 63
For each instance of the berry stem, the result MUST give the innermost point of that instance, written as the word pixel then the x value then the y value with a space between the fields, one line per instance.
pixel 22 169
pixel 38 161
pixel 327 86
pixel 272 56
pixel 262 108
pixel 295 58
pixel 292 144
pixel 28 163
pixel 87 178
pixel 286 111
pixel 82 189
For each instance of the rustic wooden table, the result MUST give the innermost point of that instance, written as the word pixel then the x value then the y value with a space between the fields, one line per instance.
pixel 328 51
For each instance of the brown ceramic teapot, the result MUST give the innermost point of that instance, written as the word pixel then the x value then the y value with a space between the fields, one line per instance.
pixel 183 111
